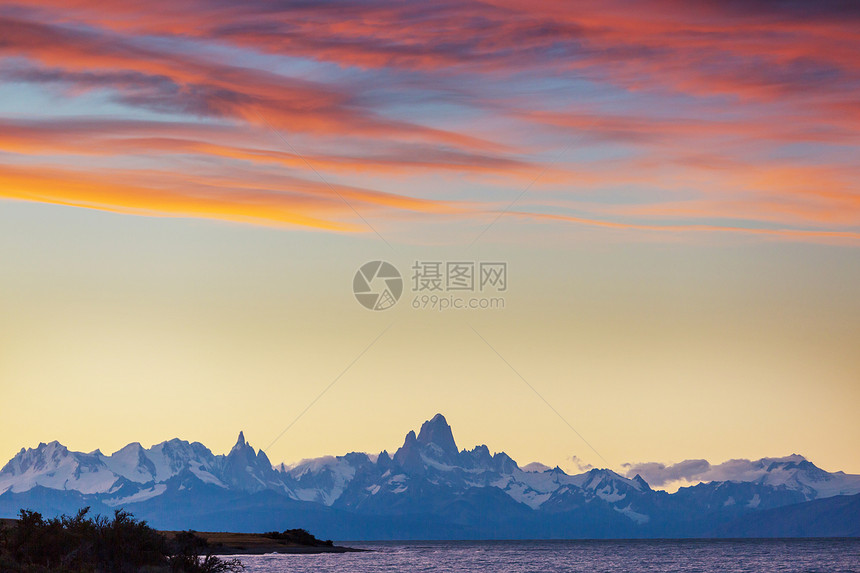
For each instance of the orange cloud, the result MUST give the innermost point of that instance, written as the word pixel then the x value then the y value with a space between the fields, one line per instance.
pixel 794 234
pixel 116 138
pixel 152 78
pixel 704 111
pixel 276 202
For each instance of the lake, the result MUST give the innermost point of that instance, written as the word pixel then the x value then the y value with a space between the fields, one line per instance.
pixel 702 556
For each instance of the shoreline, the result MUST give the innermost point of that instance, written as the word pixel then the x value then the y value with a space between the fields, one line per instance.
pixel 230 543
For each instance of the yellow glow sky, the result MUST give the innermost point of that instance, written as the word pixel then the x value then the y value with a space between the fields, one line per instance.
pixel 653 351
pixel 185 195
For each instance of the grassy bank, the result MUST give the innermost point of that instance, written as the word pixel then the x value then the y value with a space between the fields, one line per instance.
pixel 123 544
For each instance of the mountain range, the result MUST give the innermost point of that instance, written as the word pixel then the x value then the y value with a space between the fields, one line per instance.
pixel 428 489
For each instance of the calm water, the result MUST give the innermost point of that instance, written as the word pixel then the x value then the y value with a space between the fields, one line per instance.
pixel 587 556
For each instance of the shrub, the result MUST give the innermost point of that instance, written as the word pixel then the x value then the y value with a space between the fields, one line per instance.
pixel 299 536
pixel 81 544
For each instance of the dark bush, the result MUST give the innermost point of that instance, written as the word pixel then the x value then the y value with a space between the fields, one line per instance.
pixel 82 544
pixel 299 536
pixel 185 550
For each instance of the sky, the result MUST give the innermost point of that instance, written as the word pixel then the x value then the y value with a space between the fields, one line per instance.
pixel 188 189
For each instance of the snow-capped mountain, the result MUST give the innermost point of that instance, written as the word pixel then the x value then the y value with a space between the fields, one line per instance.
pixel 55 467
pixel 428 487
pixel 135 470
pixel 163 461
pixel 244 470
pixel 431 458
pixel 797 473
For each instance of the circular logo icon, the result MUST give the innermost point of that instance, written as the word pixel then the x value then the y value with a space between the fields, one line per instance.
pixel 377 285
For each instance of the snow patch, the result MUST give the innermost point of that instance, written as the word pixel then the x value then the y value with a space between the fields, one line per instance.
pixel 142 495
pixel 755 501
pixel 639 518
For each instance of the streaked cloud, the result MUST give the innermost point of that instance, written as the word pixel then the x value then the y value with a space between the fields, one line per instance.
pixel 719 117
pixel 580 464
pixel 658 474
pixel 695 471
pixel 274 201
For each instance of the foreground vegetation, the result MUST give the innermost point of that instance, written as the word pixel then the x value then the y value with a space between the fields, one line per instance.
pixel 84 544
pixel 298 537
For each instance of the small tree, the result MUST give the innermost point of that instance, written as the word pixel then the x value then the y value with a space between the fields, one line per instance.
pixel 82 544
pixel 186 551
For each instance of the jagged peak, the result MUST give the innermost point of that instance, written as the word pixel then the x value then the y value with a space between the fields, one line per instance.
pixel 51 444
pixel 641 481
pixel 43 447
pixel 50 453
pixel 437 431
pixel 409 452
pixel 788 462
pixel 131 447
pixel 169 445
pixel 263 458
pixel 535 467
pixel 357 457
pixel 603 473
pixel 241 444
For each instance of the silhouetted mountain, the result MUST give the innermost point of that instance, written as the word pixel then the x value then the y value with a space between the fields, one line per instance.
pixel 837 516
pixel 427 489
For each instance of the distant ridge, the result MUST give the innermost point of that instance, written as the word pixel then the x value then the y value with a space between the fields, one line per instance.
pixel 837 516
pixel 427 489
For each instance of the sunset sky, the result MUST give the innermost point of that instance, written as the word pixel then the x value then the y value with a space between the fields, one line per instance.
pixel 187 189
